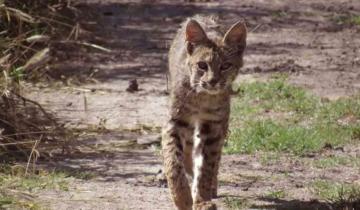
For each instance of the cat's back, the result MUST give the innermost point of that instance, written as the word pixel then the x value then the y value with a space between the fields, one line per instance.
pixel 178 48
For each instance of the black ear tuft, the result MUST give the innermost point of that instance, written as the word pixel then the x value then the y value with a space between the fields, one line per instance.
pixel 190 48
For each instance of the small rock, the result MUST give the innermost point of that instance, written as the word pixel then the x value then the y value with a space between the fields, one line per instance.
pixel 256 165
pixel 108 13
pixel 298 185
pixel 133 86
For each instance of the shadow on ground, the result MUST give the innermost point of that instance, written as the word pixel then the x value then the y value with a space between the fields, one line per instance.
pixel 280 204
pixel 139 35
pixel 111 157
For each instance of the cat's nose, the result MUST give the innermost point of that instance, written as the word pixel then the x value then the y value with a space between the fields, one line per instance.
pixel 212 82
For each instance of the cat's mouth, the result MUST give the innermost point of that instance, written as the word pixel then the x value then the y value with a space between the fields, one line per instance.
pixel 212 90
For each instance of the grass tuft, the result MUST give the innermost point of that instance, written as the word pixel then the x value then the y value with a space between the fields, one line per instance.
pixel 277 194
pixel 340 194
pixel 355 20
pixel 12 202
pixel 33 183
pixel 335 161
pixel 236 203
pixel 17 189
pixel 346 19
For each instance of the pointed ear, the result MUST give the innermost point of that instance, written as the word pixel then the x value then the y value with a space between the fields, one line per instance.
pixel 236 35
pixel 194 32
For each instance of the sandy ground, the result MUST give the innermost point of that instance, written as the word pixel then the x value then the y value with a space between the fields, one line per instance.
pixel 301 38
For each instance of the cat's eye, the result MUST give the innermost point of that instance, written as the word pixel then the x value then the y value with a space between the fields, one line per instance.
pixel 225 66
pixel 202 65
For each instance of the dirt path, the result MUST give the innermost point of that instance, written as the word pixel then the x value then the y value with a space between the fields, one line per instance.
pixel 301 38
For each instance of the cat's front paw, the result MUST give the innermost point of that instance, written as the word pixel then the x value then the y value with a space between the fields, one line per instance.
pixel 208 205
pixel 214 193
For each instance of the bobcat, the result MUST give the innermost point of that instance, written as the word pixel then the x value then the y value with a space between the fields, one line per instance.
pixel 202 64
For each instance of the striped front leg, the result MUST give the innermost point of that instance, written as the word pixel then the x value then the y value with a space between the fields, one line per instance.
pixel 208 141
pixel 172 149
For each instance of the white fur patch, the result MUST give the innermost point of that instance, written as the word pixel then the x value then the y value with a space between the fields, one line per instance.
pixel 198 161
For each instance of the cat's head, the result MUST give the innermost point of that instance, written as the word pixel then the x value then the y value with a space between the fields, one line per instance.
pixel 214 63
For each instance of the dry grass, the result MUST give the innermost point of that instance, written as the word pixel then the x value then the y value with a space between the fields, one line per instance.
pixel 28 28
pixel 27 130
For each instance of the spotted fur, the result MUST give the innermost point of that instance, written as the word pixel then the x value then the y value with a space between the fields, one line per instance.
pixel 203 64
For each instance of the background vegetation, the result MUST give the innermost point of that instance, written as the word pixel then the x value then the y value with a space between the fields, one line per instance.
pixel 28 30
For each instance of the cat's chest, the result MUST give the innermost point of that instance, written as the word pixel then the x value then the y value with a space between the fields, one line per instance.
pixel 207 110
pixel 193 106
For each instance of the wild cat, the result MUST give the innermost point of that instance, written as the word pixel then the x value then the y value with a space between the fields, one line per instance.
pixel 203 64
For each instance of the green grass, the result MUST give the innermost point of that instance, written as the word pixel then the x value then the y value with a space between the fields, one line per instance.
pixel 269 158
pixel 10 202
pixel 78 174
pixel 330 162
pixel 346 19
pixel 355 20
pixel 17 74
pixel 336 192
pixel 33 183
pixel 279 14
pixel 14 184
pixel 6 200
pixel 16 189
pixel 277 194
pixel 236 203
pixel 274 95
pixel 278 117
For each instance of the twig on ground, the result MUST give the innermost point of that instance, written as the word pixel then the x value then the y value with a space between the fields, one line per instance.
pixel 38 105
pixel 33 150
pixel 27 133
pixel 95 46
pixel 256 28
pixel 88 45
pixel 17 143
